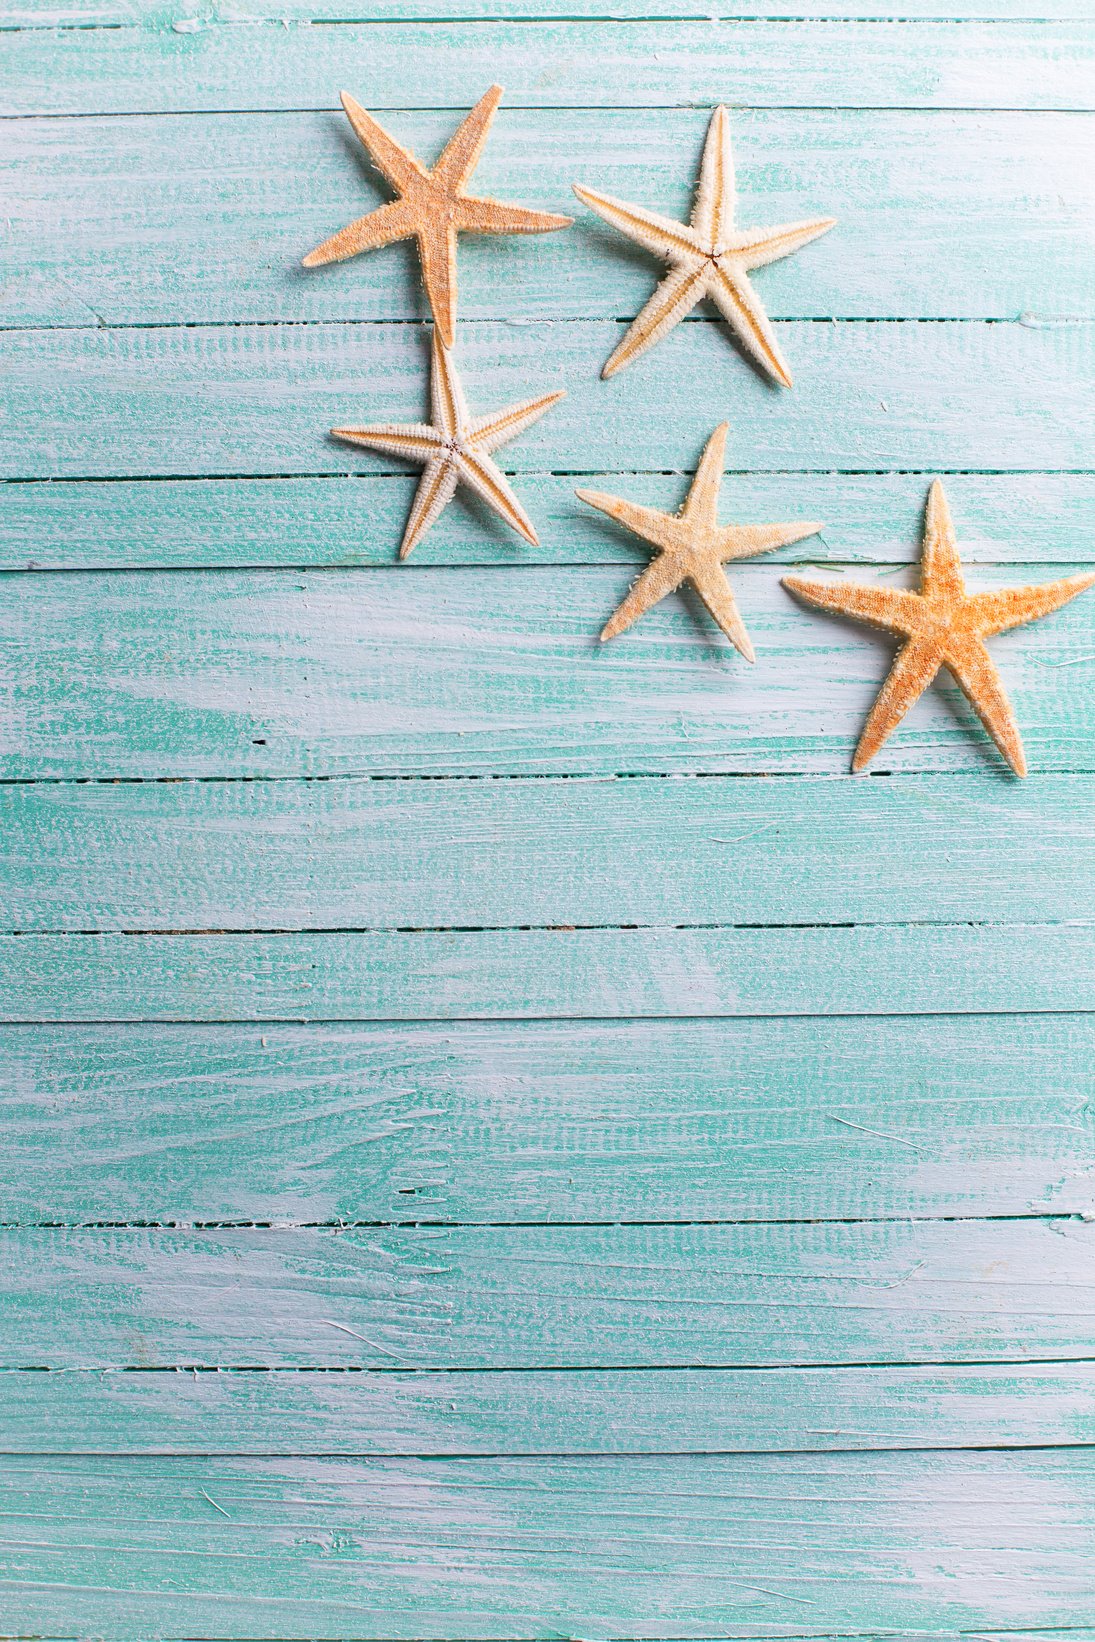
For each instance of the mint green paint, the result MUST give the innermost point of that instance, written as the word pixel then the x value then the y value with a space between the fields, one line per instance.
pixel 842 1119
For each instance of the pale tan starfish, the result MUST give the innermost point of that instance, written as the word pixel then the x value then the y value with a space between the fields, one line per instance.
pixel 943 626
pixel 454 449
pixel 432 206
pixel 693 547
pixel 707 257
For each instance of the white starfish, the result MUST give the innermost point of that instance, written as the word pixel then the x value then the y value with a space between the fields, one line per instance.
pixel 707 257
pixel 454 449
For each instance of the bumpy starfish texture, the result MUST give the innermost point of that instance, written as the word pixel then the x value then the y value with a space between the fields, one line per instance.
pixel 943 626
pixel 454 449
pixel 707 256
pixel 432 206
pixel 693 547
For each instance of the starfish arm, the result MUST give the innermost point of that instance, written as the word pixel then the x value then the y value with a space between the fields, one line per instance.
pixel 462 151
pixel 483 476
pixel 676 296
pixel 940 565
pixel 447 403
pixel 713 212
pixel 759 246
pixel 713 588
pixel 672 241
pixel 484 216
pixel 396 163
pixel 914 668
pixel 1014 606
pixel 662 530
pixel 436 489
pixel 746 541
pixel 702 501
pixel 437 254
pixel 891 608
pixel 488 433
pixel 416 443
pixel 975 671
pixel 740 306
pixel 660 577
pixel 384 226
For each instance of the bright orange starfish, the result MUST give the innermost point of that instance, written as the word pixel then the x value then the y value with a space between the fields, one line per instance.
pixel 943 626
pixel 693 547
pixel 432 206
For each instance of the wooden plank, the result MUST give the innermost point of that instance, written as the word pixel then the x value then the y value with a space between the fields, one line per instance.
pixel 531 974
pixel 193 219
pixel 461 672
pixel 147 524
pixel 554 1411
pixel 352 855
pixel 681 1546
pixel 563 65
pixel 243 400
pixel 425 14
pixel 630 1296
pixel 549 1121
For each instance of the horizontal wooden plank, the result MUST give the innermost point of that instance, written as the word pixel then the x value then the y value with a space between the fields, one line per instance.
pixel 564 65
pixel 147 524
pixel 425 14
pixel 185 219
pixel 638 1547
pixel 548 1121
pixel 549 1296
pixel 532 974
pixel 552 1411
pixel 253 400
pixel 462 671
pixel 428 855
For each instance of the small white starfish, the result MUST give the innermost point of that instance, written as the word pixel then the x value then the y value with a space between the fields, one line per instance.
pixel 455 449
pixel 707 257
pixel 693 547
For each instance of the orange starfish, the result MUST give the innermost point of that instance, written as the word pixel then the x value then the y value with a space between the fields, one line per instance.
pixel 943 626
pixel 454 449
pixel 707 256
pixel 693 547
pixel 432 206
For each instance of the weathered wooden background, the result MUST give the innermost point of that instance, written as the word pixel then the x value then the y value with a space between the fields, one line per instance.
pixel 506 1140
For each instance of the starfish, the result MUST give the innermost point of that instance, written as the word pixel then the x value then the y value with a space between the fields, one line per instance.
pixel 432 206
pixel 707 257
pixel 942 626
pixel 693 547
pixel 454 448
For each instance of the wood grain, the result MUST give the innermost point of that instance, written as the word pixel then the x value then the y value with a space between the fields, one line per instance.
pixel 549 1121
pixel 461 672
pixel 549 1412
pixel 970 1291
pixel 254 400
pixel 532 974
pixel 191 219
pixel 150 14
pixel 387 855
pixel 872 518
pixel 563 65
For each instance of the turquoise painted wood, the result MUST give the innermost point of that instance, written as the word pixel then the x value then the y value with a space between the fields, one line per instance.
pixel 99 212
pixel 590 974
pixel 1032 519
pixel 372 855
pixel 496 1210
pixel 547 1411
pixel 461 672
pixel 549 1296
pixel 258 400
pixel 569 65
pixel 549 1121
pixel 739 1546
